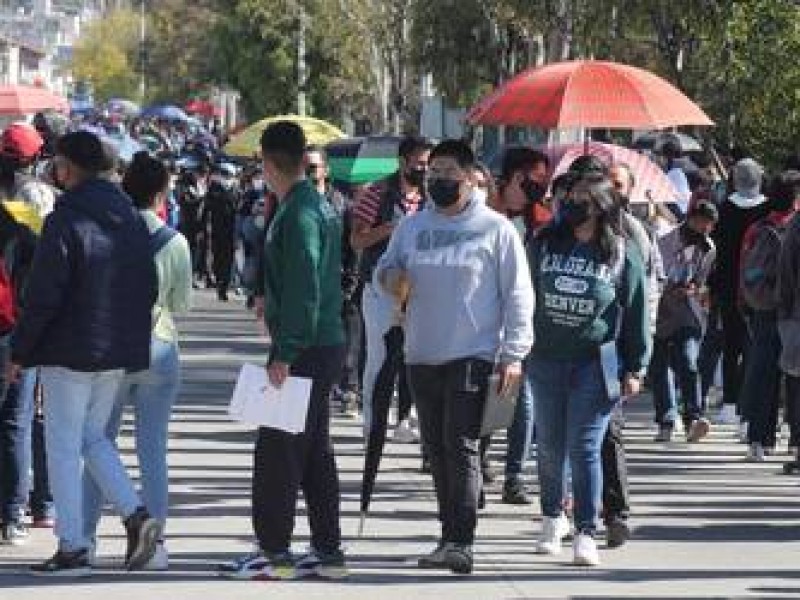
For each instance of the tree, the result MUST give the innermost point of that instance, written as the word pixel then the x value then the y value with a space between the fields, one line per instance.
pixel 105 55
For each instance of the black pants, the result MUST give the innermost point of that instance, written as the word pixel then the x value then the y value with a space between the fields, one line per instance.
pixel 286 463
pixel 450 400
pixel 223 249
pixel 616 494
pixel 353 372
pixel 792 414
pixel 734 347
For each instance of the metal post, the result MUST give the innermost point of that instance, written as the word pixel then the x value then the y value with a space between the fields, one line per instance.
pixel 142 51
pixel 301 62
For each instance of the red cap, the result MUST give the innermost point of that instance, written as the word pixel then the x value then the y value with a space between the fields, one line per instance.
pixel 21 141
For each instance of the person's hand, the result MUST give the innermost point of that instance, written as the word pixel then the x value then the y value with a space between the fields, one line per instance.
pixel 631 385
pixel 386 229
pixel 13 372
pixel 510 374
pixel 398 283
pixel 278 373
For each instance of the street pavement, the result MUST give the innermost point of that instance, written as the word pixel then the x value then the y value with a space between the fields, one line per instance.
pixel 708 525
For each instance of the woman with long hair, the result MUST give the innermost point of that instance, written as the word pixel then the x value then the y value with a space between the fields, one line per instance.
pixel 152 393
pixel 592 334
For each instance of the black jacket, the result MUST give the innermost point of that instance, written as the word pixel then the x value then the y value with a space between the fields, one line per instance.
pixel 92 287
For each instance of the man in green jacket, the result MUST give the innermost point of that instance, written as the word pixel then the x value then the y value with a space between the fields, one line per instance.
pixel 303 302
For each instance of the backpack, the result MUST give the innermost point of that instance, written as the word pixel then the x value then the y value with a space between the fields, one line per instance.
pixel 759 270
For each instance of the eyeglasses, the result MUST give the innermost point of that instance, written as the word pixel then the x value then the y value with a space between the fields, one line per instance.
pixel 316 166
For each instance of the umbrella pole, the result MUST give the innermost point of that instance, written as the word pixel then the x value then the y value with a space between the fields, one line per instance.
pixel 362 521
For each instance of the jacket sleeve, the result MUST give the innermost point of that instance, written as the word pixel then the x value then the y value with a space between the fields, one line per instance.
pixel 180 294
pixel 636 340
pixel 517 298
pixel 47 286
pixel 394 257
pixel 300 293
pixel 788 265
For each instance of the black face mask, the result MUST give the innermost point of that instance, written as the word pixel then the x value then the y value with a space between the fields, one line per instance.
pixel 533 190
pixel 692 237
pixel 444 192
pixel 574 214
pixel 415 176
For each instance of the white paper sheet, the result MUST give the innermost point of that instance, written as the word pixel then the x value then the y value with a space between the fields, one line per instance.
pixel 257 402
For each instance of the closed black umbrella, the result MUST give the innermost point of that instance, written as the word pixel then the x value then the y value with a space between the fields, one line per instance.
pixel 379 416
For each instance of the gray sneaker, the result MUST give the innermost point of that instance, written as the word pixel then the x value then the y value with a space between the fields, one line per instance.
pixel 436 559
pixel 14 534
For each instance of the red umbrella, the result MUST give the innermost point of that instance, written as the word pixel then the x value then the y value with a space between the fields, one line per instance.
pixel 588 94
pixel 26 100
pixel 203 108
pixel 652 184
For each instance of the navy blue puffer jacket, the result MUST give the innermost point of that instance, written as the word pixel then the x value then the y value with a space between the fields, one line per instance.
pixel 92 287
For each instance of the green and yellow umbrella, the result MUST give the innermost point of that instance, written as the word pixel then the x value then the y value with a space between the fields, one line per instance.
pixel 363 160
pixel 246 144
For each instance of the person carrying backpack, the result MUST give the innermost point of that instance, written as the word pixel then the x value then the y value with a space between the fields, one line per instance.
pixel 760 395
pixel 152 393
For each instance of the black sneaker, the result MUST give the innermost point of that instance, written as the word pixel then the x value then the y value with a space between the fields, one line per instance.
pixel 425 469
pixel 65 564
pixel 458 558
pixel 514 493
pixel 617 532
pixel 436 559
pixel 325 565
pixel 143 534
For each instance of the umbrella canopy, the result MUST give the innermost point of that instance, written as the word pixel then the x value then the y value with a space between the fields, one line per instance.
pixel 120 106
pixel 652 184
pixel 125 146
pixel 203 108
pixel 247 143
pixel 651 141
pixel 588 94
pixel 363 160
pixel 164 111
pixel 26 100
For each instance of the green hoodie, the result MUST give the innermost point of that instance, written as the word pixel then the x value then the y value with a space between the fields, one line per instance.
pixel 302 274
pixel 576 306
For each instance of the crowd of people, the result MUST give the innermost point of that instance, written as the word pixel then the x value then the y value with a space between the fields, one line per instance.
pixel 430 286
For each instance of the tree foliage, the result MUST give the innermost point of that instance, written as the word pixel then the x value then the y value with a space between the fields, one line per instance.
pixel 105 55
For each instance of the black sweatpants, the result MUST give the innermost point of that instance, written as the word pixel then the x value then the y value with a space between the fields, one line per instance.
pixel 286 463
pixel 450 399
pixel 616 495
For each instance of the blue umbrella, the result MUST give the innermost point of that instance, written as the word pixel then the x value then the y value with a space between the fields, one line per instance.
pixel 164 111
pixel 125 146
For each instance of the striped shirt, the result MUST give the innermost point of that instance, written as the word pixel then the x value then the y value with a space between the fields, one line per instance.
pixel 369 201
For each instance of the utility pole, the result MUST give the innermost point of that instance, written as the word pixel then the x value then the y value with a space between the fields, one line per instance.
pixel 142 51
pixel 302 69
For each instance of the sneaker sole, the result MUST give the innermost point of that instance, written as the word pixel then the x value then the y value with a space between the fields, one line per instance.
pixel 66 573
pixel 585 562
pixel 146 549
pixel 276 574
pixel 323 572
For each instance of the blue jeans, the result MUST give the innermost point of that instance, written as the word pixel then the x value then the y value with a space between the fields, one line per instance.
pixel 759 399
pixel 521 432
pixel 17 442
pixel 151 394
pixel 679 352
pixel 75 430
pixel 572 414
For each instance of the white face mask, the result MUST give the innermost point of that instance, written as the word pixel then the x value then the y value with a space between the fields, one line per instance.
pixel 480 195
pixel 258 185
pixel 260 221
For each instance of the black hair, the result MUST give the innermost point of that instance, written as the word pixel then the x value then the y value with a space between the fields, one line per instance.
pixel 145 178
pixel 784 190
pixel 457 150
pixel 606 206
pixel 284 143
pixel 9 165
pixel 705 210
pixel 86 151
pixel 521 158
pixel 412 144
pixel 562 184
pixel 588 163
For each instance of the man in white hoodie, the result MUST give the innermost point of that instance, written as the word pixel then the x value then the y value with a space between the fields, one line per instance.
pixel 462 272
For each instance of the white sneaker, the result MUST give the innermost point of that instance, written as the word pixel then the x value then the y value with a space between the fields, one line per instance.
pixel 727 415
pixel 585 549
pixel 405 434
pixel 160 560
pixel 554 530
pixel 755 453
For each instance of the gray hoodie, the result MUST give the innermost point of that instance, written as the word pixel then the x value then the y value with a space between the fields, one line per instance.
pixel 471 292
